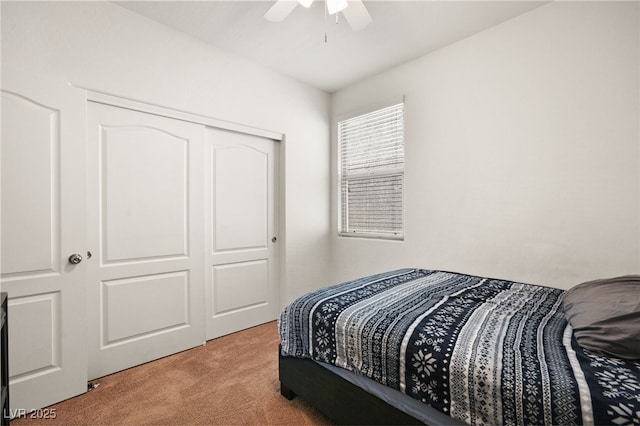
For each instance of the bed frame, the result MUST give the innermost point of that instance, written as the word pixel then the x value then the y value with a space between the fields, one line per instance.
pixel 338 399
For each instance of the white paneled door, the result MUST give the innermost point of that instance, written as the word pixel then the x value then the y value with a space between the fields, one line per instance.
pixel 43 224
pixel 241 229
pixel 146 220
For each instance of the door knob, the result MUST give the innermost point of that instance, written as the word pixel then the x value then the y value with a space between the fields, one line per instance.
pixel 75 258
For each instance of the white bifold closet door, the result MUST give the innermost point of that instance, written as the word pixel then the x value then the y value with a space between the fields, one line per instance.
pixel 43 223
pixel 241 228
pixel 145 213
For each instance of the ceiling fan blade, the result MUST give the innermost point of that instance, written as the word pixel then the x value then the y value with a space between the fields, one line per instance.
pixel 357 15
pixel 280 10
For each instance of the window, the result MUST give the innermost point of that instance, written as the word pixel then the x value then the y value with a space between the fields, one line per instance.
pixel 371 174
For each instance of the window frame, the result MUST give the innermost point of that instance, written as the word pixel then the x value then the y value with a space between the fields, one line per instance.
pixel 399 236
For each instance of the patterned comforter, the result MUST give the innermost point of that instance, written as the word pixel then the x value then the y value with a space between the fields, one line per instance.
pixel 481 350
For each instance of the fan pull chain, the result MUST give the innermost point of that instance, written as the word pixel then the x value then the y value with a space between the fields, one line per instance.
pixel 325 22
pixel 326 11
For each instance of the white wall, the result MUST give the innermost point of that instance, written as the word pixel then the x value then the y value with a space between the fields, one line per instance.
pixel 107 48
pixel 522 146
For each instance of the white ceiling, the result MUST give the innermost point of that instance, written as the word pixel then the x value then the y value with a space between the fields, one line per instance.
pixel 400 31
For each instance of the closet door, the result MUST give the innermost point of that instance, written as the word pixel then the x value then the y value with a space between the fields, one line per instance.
pixel 43 224
pixel 146 233
pixel 242 255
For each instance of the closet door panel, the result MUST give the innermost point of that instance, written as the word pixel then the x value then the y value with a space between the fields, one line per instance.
pixel 242 254
pixel 146 225
pixel 240 285
pixel 241 198
pixel 164 299
pixel 145 194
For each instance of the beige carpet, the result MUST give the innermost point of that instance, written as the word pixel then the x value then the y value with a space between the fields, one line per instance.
pixel 231 380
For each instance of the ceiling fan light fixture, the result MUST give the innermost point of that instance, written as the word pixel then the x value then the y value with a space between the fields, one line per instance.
pixel 335 6
pixel 356 14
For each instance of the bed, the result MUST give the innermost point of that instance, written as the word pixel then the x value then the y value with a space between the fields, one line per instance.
pixel 415 346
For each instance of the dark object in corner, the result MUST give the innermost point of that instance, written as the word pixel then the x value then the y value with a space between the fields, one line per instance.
pixel 4 358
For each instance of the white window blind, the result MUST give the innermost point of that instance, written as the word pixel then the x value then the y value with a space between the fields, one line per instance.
pixel 371 168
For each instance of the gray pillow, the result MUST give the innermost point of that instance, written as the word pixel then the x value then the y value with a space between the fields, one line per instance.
pixel 605 315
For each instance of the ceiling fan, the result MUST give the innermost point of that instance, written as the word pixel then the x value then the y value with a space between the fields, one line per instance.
pixel 353 11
